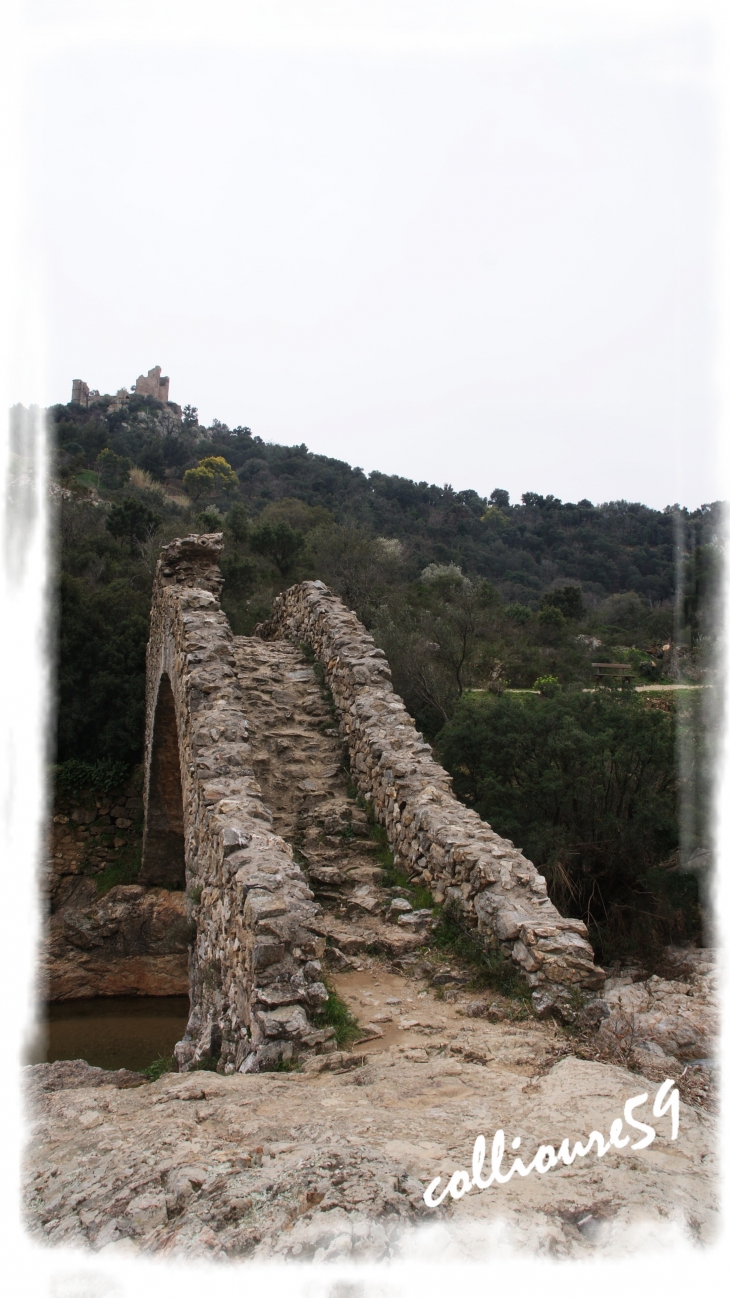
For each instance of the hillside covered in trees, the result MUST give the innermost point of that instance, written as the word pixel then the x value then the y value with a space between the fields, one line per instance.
pixel 471 598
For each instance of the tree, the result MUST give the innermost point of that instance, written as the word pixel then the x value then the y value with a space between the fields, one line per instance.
pixel 566 598
pixel 198 482
pixel 237 522
pixel 358 566
pixel 113 470
pixel 586 784
pixel 518 613
pixel 101 669
pixel 132 521
pixel 277 541
pixel 440 645
pixel 152 460
pixel 702 573
pixel 240 575
pixel 551 622
pixel 190 416
pixel 212 476
pixel 300 516
pixel 458 619
pixel 499 498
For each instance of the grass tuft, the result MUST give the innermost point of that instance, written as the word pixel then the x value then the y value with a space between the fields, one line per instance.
pixel 159 1066
pixel 335 1014
pixel 124 870
pixel 489 965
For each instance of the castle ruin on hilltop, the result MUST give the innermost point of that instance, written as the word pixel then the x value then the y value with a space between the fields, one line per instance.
pixel 154 385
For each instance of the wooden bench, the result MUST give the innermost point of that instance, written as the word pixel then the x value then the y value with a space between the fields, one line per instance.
pixel 612 671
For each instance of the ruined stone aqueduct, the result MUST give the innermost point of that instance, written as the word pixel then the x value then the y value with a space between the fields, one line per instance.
pixel 255 959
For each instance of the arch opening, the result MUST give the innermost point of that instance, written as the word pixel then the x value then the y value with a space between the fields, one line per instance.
pixel 163 847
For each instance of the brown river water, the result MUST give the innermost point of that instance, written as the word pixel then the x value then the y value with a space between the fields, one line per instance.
pixel 114 1032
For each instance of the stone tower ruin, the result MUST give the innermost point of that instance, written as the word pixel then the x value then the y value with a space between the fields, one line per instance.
pixel 153 386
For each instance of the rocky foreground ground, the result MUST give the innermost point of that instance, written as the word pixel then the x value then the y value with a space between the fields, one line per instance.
pixel 332 1162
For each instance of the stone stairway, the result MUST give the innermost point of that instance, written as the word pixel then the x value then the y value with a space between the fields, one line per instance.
pixel 300 764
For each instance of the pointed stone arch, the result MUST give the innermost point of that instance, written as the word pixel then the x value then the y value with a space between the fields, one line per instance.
pixel 163 847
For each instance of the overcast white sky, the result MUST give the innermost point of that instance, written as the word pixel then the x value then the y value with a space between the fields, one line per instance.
pixel 483 258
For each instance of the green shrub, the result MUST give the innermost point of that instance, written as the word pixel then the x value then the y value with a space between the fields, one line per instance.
pixel 518 613
pixel 237 522
pixel 279 542
pixel 133 522
pixel 286 1066
pixel 210 520
pixel 548 686
pixel 551 617
pixel 113 470
pixel 241 576
pixel 567 599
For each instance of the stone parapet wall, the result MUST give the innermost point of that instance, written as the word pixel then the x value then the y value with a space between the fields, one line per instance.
pixel 434 837
pixel 254 961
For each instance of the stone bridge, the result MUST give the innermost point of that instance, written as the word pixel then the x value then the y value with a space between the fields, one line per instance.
pixel 247 765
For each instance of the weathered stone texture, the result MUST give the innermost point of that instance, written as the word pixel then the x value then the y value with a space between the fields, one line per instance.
pixel 132 940
pixel 435 838
pixel 331 1165
pixel 254 971
pixel 664 1020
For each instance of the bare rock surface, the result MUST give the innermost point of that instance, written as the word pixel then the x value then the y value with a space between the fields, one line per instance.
pixel 332 1162
pixel 132 941
pixel 665 1019
pixel 73 1074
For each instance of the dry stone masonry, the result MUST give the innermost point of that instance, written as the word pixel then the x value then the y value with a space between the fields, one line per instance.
pixel 437 840
pixel 255 972
pixel 254 963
